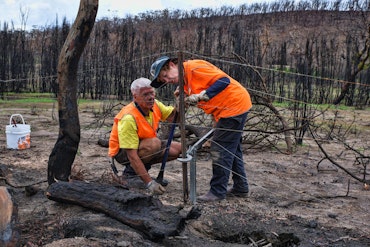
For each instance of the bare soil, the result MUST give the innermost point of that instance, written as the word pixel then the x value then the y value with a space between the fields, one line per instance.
pixel 293 200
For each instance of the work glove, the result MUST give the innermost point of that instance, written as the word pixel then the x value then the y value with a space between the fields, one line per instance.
pixel 155 188
pixel 195 98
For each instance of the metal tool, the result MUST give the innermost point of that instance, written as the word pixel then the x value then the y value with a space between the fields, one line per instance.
pixel 195 146
pixel 113 166
pixel 159 178
pixel 191 156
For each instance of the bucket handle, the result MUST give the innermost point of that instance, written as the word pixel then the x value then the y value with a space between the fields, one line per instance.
pixel 14 123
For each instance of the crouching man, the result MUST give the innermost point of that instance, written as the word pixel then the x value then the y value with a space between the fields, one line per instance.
pixel 133 140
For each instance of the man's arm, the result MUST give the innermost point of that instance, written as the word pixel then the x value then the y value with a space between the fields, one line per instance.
pixel 210 92
pixel 168 112
pixel 172 116
pixel 217 87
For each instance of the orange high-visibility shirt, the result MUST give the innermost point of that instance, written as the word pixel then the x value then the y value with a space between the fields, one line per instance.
pixel 232 101
pixel 144 128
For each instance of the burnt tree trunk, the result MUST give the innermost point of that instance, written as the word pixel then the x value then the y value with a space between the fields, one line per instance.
pixel 65 149
pixel 361 61
pixel 142 212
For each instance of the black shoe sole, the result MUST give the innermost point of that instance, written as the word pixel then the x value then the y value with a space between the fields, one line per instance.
pixel 243 195
pixel 238 194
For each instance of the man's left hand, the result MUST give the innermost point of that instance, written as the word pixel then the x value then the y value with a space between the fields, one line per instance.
pixel 195 98
pixel 155 188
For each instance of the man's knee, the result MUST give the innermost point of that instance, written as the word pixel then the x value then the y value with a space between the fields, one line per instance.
pixel 148 148
pixel 150 145
pixel 176 147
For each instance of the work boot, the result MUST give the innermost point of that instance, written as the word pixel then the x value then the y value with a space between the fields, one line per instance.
pixel 209 197
pixel 231 192
pixel 129 171
pixel 148 167
pixel 163 182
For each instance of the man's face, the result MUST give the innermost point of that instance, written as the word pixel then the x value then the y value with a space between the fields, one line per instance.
pixel 145 98
pixel 169 74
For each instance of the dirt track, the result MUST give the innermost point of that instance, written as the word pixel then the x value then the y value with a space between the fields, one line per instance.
pixel 292 202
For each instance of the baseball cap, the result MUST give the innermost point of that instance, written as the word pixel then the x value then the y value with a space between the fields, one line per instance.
pixel 155 69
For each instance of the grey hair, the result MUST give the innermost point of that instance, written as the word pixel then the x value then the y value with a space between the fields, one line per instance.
pixel 140 83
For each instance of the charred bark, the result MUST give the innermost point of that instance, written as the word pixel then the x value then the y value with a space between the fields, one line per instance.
pixel 361 62
pixel 142 212
pixel 65 149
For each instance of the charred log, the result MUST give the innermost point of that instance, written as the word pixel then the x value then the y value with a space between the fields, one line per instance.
pixel 143 213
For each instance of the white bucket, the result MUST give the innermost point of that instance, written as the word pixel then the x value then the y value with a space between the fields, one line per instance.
pixel 18 135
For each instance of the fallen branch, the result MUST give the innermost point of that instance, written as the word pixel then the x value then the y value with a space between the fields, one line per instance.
pixel 327 156
pixel 141 212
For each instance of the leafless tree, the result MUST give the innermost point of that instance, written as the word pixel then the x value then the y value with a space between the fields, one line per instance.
pixel 66 146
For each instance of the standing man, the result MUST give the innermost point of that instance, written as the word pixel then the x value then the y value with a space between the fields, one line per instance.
pixel 133 140
pixel 229 102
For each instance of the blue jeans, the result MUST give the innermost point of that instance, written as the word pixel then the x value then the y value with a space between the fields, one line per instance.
pixel 227 156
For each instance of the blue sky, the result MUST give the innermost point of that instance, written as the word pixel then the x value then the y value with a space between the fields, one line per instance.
pixel 41 13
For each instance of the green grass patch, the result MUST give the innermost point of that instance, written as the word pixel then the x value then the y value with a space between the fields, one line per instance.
pixel 28 101
pixel 43 101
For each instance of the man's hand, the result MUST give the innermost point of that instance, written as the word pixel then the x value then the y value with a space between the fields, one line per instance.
pixel 177 92
pixel 155 188
pixel 195 98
